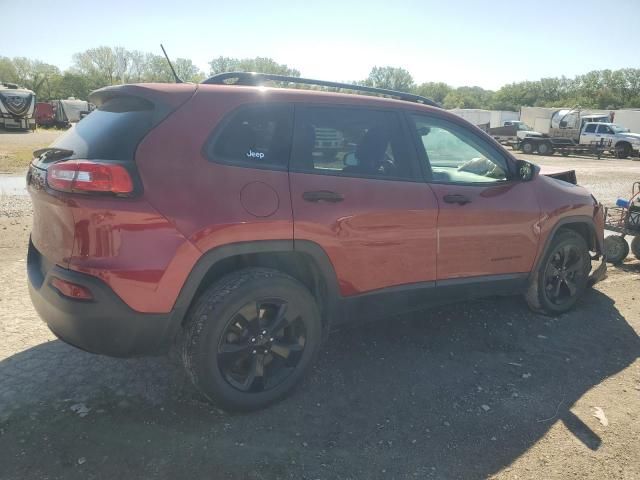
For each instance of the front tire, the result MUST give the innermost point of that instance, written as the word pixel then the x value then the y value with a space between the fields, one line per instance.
pixel 250 338
pixel 616 249
pixel 562 275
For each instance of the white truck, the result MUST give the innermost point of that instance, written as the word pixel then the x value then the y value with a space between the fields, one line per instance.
pixel 571 131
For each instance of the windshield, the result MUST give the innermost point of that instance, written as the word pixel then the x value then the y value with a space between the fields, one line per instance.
pixel 524 126
pixel 618 129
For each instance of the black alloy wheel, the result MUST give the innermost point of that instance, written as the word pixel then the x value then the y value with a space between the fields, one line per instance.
pixel 261 345
pixel 564 273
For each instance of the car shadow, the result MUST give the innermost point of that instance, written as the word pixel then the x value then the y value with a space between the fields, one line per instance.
pixel 454 392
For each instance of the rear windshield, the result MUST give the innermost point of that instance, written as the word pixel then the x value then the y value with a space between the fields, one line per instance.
pixel 111 132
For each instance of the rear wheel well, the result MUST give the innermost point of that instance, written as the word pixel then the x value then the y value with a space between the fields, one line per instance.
pixel 298 265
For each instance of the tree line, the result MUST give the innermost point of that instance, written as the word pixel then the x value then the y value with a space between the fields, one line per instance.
pixel 98 67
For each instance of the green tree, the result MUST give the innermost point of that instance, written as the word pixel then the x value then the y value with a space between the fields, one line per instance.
pixel 257 64
pixel 187 71
pixel 99 65
pixel 8 71
pixel 392 78
pixel 435 91
pixel 35 75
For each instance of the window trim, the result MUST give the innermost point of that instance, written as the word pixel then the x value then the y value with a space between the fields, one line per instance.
pixel 426 163
pixel 402 133
pixel 208 146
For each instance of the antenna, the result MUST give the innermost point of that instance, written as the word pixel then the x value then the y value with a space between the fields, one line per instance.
pixel 175 75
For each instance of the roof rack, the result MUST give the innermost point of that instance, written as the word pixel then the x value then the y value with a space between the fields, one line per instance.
pixel 256 79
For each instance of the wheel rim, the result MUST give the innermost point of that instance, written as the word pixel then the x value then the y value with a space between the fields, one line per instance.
pixel 542 149
pixel 527 148
pixel 564 274
pixel 261 345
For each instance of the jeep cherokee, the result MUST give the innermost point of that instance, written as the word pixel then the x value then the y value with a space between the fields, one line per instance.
pixel 209 218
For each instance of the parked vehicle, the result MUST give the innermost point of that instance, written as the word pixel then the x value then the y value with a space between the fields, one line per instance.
pixel 623 219
pixel 202 216
pixel 572 131
pixel 486 119
pixel 16 107
pixel 511 133
pixel 44 114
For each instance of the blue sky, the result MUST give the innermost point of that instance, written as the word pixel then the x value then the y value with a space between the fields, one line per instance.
pixel 485 43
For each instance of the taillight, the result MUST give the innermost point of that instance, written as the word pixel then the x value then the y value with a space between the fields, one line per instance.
pixel 88 176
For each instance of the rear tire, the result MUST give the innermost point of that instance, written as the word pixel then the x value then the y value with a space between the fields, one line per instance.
pixel 623 150
pixel 527 147
pixel 616 249
pixel 561 276
pixel 545 149
pixel 250 338
pixel 635 246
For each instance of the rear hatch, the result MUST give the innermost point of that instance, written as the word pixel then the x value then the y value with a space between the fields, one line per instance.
pixel 95 159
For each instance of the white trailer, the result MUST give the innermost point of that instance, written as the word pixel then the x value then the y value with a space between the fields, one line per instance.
pixel 628 118
pixel 485 118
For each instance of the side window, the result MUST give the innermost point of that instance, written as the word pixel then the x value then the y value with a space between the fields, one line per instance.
pixel 254 136
pixel 604 129
pixel 351 142
pixel 456 156
pixel 591 128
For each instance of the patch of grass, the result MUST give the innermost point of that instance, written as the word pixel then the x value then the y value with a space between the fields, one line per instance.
pixel 18 161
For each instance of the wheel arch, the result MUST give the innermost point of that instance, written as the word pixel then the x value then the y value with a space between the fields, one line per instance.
pixel 623 143
pixel 307 262
pixel 582 225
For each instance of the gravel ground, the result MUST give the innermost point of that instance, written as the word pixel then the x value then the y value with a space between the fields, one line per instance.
pixel 475 390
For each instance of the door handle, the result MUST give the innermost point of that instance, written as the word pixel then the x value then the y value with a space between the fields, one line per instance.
pixel 323 196
pixel 455 198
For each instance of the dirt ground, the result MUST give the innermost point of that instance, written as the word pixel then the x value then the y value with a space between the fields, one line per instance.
pixel 482 389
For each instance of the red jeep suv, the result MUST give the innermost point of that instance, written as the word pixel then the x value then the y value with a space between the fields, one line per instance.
pixel 217 219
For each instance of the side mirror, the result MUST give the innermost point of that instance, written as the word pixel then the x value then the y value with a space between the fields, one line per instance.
pixel 350 160
pixel 526 171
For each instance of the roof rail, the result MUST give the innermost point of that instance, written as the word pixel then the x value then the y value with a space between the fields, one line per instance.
pixel 256 79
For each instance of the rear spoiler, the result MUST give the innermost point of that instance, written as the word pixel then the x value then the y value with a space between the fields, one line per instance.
pixel 170 94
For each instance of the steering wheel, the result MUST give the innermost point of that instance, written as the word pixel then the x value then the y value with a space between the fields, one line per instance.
pixel 483 167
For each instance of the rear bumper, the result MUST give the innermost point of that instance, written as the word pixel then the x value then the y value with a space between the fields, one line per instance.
pixel 104 325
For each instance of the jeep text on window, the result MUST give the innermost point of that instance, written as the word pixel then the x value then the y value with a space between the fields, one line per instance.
pixel 254 136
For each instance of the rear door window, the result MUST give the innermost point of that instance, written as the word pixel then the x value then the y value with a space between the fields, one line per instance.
pixel 254 136
pixel 591 128
pixel 353 142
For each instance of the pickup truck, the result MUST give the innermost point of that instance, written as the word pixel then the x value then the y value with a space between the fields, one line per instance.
pixel 592 138
pixel 511 132
pixel 623 143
